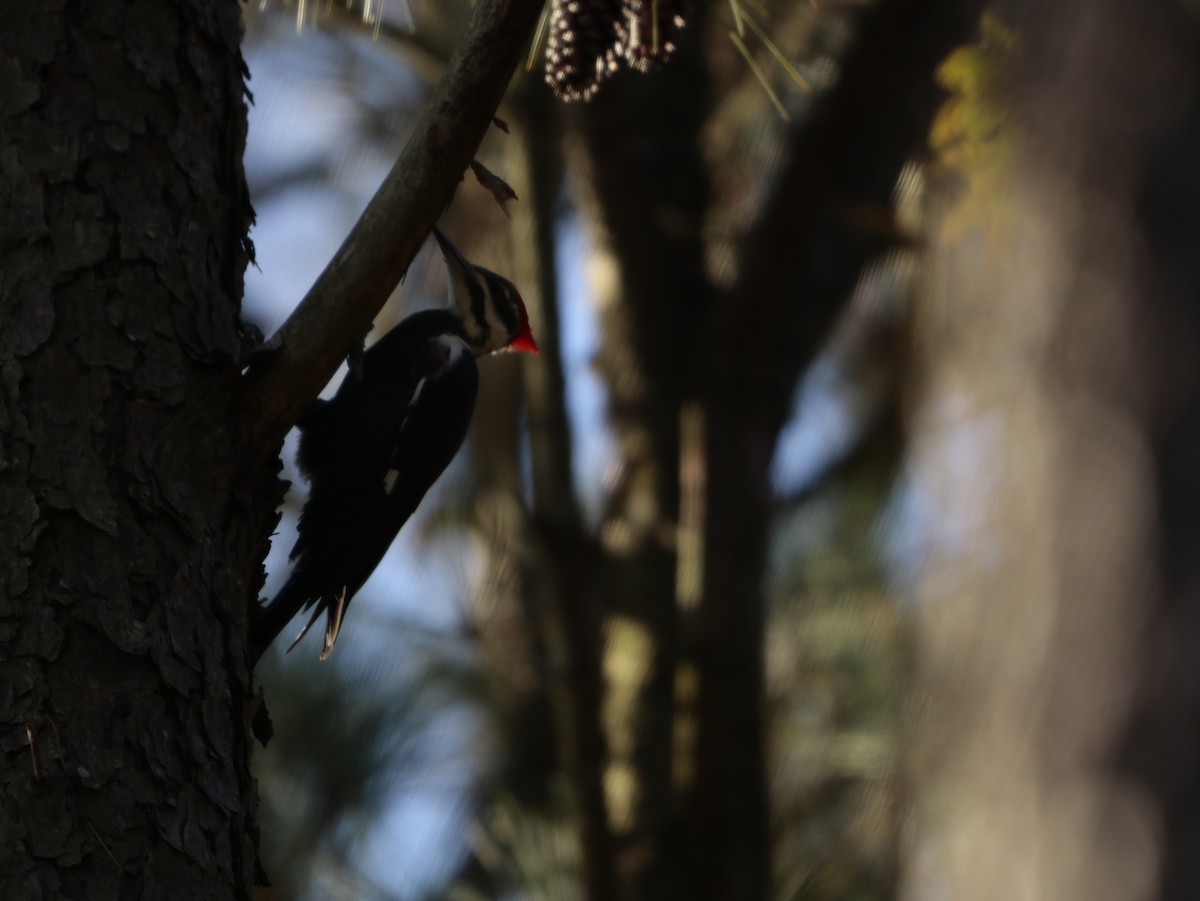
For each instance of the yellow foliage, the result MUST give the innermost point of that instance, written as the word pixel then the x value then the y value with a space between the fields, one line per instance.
pixel 973 134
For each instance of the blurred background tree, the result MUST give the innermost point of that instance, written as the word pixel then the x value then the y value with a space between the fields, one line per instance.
pixel 837 544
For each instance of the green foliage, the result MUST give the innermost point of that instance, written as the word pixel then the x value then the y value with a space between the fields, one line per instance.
pixel 836 682
pixel 530 854
pixel 340 736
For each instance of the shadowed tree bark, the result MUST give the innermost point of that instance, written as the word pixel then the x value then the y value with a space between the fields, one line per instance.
pixel 130 553
pixel 561 572
pixel 137 470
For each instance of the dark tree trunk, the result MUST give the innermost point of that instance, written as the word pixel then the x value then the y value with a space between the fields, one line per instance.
pixel 1162 744
pixel 800 265
pixel 129 552
pixel 701 381
pixel 652 193
pixel 562 574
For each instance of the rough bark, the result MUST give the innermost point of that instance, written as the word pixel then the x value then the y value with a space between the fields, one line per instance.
pixel 129 554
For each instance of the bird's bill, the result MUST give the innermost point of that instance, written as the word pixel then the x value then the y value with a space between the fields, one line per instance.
pixel 459 271
pixel 451 253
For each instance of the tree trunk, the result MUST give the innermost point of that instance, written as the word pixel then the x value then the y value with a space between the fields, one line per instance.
pixel 132 542
pixel 701 382
pixel 651 196
pixel 1058 637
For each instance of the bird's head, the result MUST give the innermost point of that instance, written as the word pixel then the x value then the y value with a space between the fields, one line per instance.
pixel 489 305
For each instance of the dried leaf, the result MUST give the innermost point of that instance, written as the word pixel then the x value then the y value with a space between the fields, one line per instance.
pixel 497 186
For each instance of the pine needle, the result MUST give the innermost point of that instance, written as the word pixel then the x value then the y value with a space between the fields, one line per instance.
pixel 537 37
pixel 777 53
pixel 737 17
pixel 758 73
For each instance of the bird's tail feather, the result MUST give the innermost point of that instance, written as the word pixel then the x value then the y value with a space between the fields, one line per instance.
pixel 286 604
pixel 333 623
pixel 271 619
pixel 320 608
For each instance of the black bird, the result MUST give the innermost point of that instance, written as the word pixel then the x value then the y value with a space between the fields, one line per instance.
pixel 372 452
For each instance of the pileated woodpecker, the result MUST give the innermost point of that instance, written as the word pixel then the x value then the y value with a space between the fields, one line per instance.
pixel 372 452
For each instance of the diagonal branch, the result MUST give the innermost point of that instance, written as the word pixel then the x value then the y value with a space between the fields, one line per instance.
pixel 339 308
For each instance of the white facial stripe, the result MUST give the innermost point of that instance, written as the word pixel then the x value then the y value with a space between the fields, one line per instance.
pixel 455 347
pixel 498 334
pixel 417 394
pixel 493 332
pixel 389 481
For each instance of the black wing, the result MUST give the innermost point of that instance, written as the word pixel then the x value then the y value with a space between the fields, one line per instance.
pixel 370 455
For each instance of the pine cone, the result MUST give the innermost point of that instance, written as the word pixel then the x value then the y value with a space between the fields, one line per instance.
pixel 583 47
pixel 642 51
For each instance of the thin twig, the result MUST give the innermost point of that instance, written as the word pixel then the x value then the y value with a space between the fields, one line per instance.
pixel 758 73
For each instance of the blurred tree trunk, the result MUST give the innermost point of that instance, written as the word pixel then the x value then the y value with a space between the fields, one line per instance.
pixel 130 554
pixel 1059 343
pixel 563 581
pixel 651 195
pixel 700 384
pixel 1161 743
